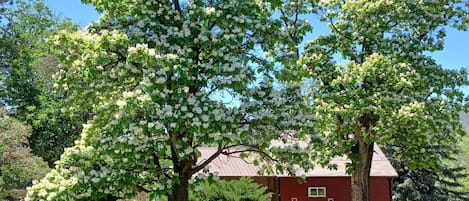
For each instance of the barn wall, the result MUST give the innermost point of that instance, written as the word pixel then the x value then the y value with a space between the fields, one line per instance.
pixel 337 189
pixel 380 188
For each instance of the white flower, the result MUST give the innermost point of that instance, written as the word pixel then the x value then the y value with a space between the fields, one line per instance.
pixel 171 56
pixel 144 98
pixel 161 80
pixel 128 94
pixel 121 103
pixel 205 118
pixel 42 193
pixel 132 50
pixel 209 10
pixel 86 126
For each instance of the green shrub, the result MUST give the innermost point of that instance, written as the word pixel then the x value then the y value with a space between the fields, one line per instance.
pixel 234 190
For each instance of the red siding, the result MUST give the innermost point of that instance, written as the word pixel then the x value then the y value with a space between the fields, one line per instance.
pixel 380 188
pixel 338 188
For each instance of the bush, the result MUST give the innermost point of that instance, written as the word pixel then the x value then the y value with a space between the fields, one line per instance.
pixel 234 190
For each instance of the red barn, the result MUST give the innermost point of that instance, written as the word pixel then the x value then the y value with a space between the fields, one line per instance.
pixel 321 184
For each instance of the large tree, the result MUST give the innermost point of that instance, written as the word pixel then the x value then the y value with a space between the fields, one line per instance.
pixel 163 78
pixel 24 28
pixel 386 90
pixel 26 83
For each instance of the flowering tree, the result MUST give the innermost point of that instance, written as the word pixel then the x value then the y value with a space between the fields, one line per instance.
pixel 162 79
pixel 389 91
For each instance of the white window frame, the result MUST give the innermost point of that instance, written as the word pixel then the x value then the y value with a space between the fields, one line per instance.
pixel 316 188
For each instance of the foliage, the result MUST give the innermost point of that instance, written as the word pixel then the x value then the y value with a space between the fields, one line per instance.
pixel 153 75
pixel 3 190
pixel 233 190
pixel 26 83
pixel 154 85
pixel 461 157
pixel 446 183
pixel 463 161
pixel 388 85
pixel 428 183
pixel 18 166
pixel 27 25
pixel 53 130
pixel 388 90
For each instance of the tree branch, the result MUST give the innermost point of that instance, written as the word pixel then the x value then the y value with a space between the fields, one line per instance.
pixel 177 6
pixel 208 160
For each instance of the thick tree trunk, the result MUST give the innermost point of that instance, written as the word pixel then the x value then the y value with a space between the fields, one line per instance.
pixel 180 191
pixel 361 171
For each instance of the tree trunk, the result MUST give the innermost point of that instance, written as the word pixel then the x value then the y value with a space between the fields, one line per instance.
pixel 180 190
pixel 361 171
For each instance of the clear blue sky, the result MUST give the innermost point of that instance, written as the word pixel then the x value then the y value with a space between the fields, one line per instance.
pixel 454 56
pixel 80 13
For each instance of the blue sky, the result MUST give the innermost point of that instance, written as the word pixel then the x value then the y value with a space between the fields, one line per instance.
pixel 80 13
pixel 454 56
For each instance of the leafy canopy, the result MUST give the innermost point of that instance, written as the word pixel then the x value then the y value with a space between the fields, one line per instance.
pixel 388 90
pixel 152 75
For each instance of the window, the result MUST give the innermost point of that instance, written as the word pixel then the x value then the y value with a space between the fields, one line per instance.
pixel 317 192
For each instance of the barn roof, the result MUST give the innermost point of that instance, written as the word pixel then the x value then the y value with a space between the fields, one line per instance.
pixel 234 165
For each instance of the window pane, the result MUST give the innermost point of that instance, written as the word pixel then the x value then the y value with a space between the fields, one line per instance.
pixel 321 191
pixel 316 192
pixel 313 191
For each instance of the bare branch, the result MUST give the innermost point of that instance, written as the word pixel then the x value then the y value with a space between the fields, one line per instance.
pixel 208 160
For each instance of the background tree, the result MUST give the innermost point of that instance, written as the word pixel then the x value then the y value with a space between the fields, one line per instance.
pixel 388 91
pixel 27 66
pixel 155 84
pixel 445 182
pixel 436 183
pixel 26 26
pixel 18 166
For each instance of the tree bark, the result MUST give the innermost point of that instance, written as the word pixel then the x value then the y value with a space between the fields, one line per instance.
pixel 183 168
pixel 180 191
pixel 361 171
